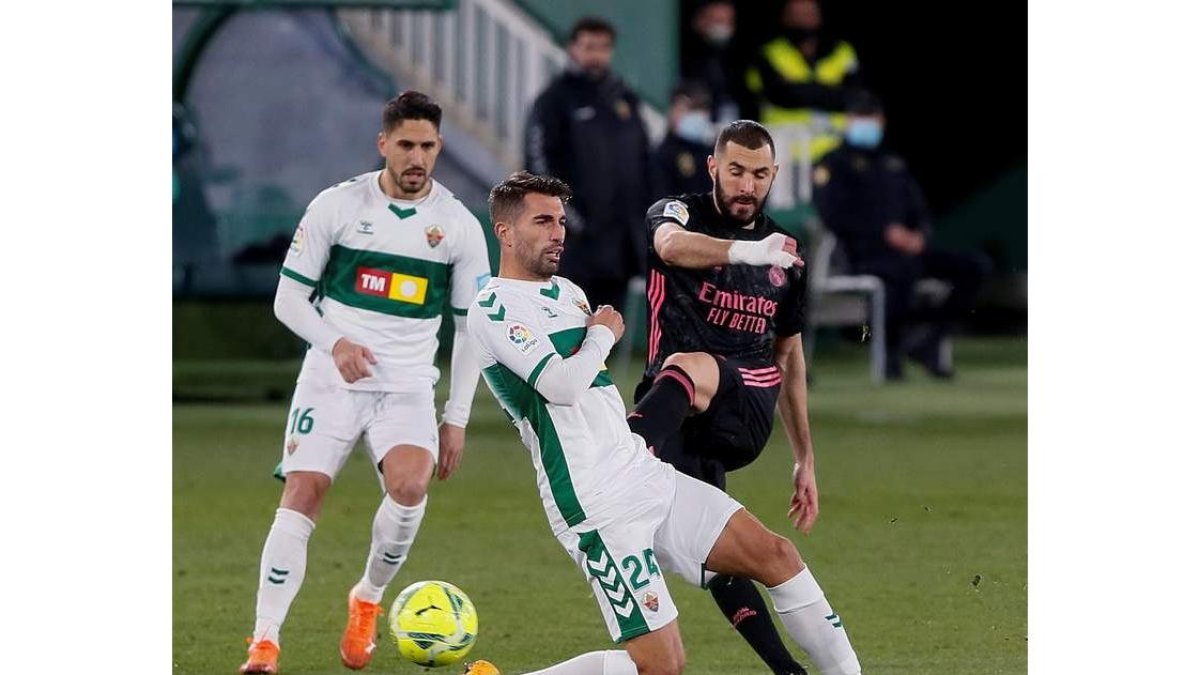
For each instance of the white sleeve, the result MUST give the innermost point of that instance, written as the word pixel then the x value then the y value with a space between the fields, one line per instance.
pixel 514 338
pixel 464 376
pixel 563 381
pixel 306 257
pixel 300 316
pixel 470 269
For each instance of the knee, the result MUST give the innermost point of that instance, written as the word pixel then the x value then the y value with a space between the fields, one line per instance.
pixel 304 491
pixel 701 368
pixel 407 489
pixel 785 561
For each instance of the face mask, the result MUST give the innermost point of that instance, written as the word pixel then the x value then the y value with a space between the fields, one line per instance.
pixel 864 133
pixel 719 35
pixel 695 127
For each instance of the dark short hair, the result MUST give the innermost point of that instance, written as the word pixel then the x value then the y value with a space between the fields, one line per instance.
pixel 746 133
pixel 411 105
pixel 863 102
pixel 592 24
pixel 694 92
pixel 506 199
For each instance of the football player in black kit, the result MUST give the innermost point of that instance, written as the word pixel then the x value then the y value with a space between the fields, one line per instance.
pixel 726 298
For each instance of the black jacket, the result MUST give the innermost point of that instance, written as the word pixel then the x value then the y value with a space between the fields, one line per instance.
pixel 589 134
pixel 681 166
pixel 859 192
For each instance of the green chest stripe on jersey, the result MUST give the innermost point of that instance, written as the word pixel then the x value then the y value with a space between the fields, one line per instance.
pixel 522 401
pixel 567 342
pixel 420 286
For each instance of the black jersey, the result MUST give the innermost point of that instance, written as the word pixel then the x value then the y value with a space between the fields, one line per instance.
pixel 735 311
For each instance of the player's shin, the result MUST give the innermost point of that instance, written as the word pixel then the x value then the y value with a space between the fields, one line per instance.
pixel 662 410
pixel 281 572
pixel 813 624
pixel 744 607
pixel 392 534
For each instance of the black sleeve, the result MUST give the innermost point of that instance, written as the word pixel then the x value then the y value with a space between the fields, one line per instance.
pixel 832 196
pixel 666 210
pixel 798 94
pixel 916 214
pixel 794 307
pixel 545 137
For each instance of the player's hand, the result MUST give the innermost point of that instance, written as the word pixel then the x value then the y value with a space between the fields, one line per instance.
pixel 451 440
pixel 610 318
pixel 903 239
pixel 778 250
pixel 352 360
pixel 803 509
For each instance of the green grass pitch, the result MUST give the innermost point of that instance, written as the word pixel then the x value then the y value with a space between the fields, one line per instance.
pixel 920 545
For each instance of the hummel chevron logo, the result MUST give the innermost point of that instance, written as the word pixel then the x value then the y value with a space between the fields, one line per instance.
pixel 835 620
pixel 277 576
pixel 624 610
pixel 487 303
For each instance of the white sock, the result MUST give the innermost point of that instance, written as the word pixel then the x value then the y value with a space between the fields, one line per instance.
pixel 814 625
pixel 281 572
pixel 611 662
pixel 392 535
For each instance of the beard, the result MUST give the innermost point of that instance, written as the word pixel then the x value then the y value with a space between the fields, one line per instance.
pixel 726 205
pixel 539 264
pixel 400 181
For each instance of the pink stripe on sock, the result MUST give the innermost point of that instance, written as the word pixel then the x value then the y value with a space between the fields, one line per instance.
pixel 681 379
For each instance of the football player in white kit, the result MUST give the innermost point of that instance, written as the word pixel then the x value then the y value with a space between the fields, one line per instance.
pixel 373 263
pixel 620 513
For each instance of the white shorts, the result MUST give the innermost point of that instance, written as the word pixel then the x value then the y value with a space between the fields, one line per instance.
pixel 623 557
pixel 325 421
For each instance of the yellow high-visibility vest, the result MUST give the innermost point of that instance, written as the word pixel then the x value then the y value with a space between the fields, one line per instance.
pixel 830 70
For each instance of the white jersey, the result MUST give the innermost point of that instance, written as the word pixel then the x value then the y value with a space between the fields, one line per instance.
pixel 383 270
pixel 589 466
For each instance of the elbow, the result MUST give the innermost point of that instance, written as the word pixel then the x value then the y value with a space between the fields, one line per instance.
pixel 280 307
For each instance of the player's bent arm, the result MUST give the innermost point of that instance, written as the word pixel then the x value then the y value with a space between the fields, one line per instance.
pixel 464 376
pixel 680 248
pixel 294 310
pixel 793 398
pixel 563 381
pixel 692 250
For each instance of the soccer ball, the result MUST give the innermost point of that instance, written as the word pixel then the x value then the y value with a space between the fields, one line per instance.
pixel 433 623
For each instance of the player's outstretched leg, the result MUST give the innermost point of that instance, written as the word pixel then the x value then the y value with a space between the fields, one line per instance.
pixel 281 569
pixel 746 548
pixel 406 473
pixel 686 384
pixel 744 607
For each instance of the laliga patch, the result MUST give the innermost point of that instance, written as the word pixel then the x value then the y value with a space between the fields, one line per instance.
pixel 522 338
pixel 298 240
pixel 677 210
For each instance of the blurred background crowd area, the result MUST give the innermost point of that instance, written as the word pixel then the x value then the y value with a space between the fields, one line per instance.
pixel 274 101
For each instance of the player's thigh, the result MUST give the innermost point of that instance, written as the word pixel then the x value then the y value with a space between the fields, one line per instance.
pixel 619 563
pixel 402 419
pixel 735 428
pixel 697 518
pixel 746 548
pixel 323 423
